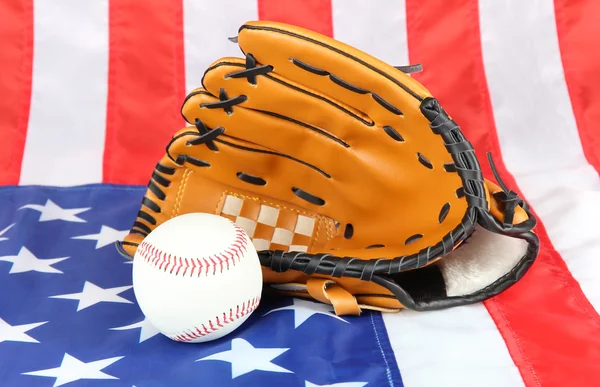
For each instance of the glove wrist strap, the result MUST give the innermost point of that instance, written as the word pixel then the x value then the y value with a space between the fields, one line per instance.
pixel 329 292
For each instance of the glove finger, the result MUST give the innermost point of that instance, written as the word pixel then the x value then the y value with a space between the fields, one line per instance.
pixel 332 68
pixel 339 205
pixel 242 165
pixel 230 166
pixel 253 168
pixel 198 177
pixel 285 135
pixel 281 97
pixel 444 201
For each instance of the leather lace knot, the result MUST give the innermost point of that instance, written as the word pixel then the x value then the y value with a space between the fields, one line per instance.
pixel 206 136
pixel 250 73
pixel 509 198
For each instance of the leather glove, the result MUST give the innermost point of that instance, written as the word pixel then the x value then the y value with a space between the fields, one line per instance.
pixel 355 186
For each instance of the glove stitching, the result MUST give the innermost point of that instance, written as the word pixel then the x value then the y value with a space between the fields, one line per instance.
pixel 316 238
pixel 328 228
pixel 220 202
pixel 180 191
pixel 184 188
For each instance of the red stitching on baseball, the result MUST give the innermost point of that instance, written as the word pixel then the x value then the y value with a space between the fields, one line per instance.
pixel 223 260
pixel 163 260
pixel 214 265
pixel 169 263
pixel 229 255
pixel 154 255
pixel 218 257
pixel 195 332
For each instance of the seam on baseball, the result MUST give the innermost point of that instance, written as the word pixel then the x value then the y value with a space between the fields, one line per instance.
pixel 174 264
pixel 217 322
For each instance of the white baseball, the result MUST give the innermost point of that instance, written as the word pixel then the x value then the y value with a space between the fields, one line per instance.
pixel 197 277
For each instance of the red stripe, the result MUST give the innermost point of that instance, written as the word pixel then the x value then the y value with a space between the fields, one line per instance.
pixel 551 330
pixel 314 15
pixel 578 31
pixel 16 46
pixel 146 86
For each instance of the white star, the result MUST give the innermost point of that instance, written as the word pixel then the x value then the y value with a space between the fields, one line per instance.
pixel 25 261
pixel 245 358
pixel 105 237
pixel 148 330
pixel 51 211
pixel 92 294
pixel 4 232
pixel 303 310
pixel 17 332
pixel 347 384
pixel 72 369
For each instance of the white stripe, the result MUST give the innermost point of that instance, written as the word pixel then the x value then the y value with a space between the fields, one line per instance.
pixel 376 28
pixel 207 25
pixel 538 133
pixel 67 122
pixel 456 347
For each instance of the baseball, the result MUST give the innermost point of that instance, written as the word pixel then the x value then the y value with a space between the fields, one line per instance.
pixel 197 277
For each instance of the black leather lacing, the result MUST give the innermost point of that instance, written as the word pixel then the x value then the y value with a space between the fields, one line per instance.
pixel 378 270
pixel 465 164
pixel 382 271
pixel 358 116
pixel 206 136
pixel 156 181
pixel 410 69
pixel 225 102
pixel 347 85
pixel 338 51
pixel 250 73
pixel 510 200
pixel 251 70
pixel 159 176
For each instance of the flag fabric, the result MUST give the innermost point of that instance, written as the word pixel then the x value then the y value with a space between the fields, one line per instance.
pixel 90 93
pixel 69 314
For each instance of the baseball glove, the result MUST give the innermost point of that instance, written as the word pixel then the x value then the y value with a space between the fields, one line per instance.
pixel 355 186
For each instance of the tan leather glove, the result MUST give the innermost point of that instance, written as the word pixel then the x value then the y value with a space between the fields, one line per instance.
pixel 357 189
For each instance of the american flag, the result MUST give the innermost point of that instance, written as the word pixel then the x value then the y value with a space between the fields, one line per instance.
pixel 90 93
